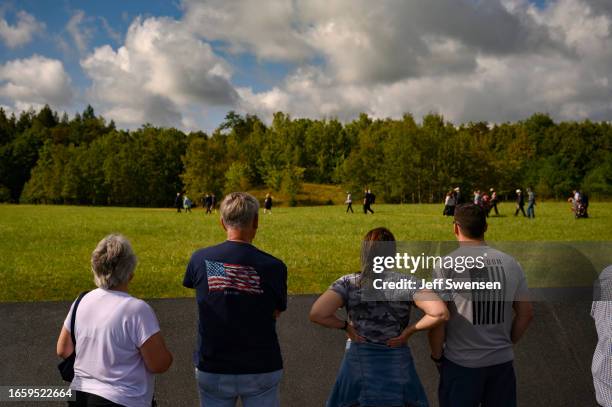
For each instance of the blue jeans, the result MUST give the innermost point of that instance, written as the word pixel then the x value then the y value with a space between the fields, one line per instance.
pixel 254 390
pixel 531 211
pixel 376 375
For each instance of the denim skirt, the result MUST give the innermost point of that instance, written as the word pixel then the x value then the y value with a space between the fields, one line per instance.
pixel 375 375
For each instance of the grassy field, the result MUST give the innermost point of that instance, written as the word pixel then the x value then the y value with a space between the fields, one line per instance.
pixel 44 250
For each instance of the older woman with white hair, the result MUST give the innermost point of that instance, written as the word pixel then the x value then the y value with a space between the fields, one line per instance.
pixel 118 341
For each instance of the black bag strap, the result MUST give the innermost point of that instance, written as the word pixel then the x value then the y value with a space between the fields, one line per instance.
pixel 73 317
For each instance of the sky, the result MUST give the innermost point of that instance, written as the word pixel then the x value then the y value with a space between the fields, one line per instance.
pixel 186 63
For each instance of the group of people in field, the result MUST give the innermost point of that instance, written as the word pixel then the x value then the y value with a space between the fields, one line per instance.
pixel 579 203
pixel 241 292
pixel 488 202
pixel 520 203
pixel 369 198
pixel 209 203
pixel 182 202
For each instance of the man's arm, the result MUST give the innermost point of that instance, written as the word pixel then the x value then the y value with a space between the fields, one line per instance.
pixel 436 340
pixel 523 315
pixel 281 304
pixel 189 280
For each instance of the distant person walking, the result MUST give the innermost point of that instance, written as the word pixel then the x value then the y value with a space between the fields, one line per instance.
pixel 486 203
pixel 458 196
pixel 520 203
pixel 577 197
pixel 368 200
pixel 449 204
pixel 187 204
pixel 474 350
pixel 119 346
pixel 585 201
pixel 349 202
pixel 477 198
pixel 268 204
pixel 240 293
pixel 531 202
pixel 213 203
pixel 178 202
pixel 208 203
pixel 377 368
pixel 601 311
pixel 494 201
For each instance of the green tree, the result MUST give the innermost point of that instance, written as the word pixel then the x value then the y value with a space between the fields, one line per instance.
pixel 292 183
pixel 237 177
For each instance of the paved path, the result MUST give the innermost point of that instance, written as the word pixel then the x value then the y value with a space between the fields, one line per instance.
pixel 552 362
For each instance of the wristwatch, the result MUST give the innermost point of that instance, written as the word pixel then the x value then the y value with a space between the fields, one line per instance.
pixel 346 323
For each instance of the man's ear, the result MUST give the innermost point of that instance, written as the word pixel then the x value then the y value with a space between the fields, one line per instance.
pixel 223 224
pixel 256 221
pixel 456 229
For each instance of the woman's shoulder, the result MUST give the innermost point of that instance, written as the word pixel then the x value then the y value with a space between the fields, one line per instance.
pixel 136 305
pixel 348 281
pixel 129 304
pixel 352 278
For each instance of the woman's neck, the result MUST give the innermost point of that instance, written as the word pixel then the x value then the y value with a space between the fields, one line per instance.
pixel 122 287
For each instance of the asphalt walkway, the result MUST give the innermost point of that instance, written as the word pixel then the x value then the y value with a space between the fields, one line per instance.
pixel 552 362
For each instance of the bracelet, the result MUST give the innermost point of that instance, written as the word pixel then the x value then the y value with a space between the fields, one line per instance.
pixel 436 360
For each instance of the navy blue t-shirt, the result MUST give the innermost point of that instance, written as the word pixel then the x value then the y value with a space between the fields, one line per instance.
pixel 238 288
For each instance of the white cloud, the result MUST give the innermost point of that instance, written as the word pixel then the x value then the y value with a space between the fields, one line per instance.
pixel 80 29
pixel 493 60
pixel 35 81
pixel 578 26
pixel 22 32
pixel 469 60
pixel 160 72
pixel 270 30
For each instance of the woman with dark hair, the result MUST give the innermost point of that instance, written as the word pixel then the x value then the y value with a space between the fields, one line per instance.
pixel 377 368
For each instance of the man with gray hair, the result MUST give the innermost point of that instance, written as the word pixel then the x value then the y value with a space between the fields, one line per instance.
pixel 240 291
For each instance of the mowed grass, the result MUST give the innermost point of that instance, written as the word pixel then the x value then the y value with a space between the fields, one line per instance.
pixel 45 250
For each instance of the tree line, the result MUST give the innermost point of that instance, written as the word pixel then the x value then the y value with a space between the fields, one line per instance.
pixel 48 158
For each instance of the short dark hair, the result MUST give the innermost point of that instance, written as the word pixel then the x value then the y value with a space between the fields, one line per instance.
pixel 471 219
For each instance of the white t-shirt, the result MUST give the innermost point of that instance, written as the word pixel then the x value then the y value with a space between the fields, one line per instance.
pixel 110 328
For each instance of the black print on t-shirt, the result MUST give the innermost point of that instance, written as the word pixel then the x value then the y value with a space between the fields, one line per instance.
pixel 488 305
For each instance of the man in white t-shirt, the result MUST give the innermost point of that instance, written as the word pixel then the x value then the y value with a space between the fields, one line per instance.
pixel 118 341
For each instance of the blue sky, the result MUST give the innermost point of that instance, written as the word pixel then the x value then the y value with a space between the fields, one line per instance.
pixel 117 16
pixel 308 58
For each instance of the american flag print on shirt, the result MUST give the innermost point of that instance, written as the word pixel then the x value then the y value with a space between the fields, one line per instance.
pixel 223 276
